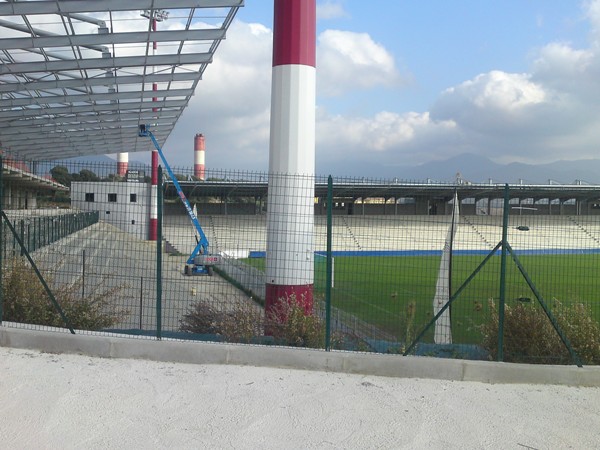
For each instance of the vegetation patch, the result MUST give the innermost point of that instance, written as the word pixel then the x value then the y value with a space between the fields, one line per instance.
pixel 26 301
pixel 529 336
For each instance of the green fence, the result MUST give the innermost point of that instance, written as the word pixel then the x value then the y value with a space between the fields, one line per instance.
pixel 489 272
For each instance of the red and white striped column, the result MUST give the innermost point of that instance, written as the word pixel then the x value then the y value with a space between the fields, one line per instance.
pixel 199 156
pixel 122 164
pixel 290 208
pixel 154 164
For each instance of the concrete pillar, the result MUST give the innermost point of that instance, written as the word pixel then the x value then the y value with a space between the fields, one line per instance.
pixel 421 205
pixel 31 200
pixel 7 200
pixel 290 211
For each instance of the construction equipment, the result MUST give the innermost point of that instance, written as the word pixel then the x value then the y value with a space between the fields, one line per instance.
pixel 200 262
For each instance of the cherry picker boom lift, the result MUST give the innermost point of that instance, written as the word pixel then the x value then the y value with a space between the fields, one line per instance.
pixel 200 262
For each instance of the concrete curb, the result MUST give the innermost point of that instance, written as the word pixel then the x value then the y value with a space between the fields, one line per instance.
pixel 304 359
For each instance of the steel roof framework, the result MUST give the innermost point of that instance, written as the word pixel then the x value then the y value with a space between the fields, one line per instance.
pixel 76 75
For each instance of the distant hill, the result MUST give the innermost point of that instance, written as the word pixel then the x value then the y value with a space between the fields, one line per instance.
pixel 478 169
pixel 474 168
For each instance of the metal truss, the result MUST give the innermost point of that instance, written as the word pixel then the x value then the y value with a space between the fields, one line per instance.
pixel 77 76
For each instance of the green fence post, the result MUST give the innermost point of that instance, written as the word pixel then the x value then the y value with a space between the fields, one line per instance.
pixel 38 222
pixel 2 243
pixel 159 200
pixel 502 302
pixel 29 246
pixel 329 266
pixel 22 226
pixel 37 272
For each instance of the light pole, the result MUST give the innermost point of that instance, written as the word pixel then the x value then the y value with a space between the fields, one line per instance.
pixel 154 15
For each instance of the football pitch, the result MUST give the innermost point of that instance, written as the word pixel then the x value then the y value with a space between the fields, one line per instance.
pixel 395 293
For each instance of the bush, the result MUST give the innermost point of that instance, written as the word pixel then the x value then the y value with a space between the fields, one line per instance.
pixel 26 301
pixel 530 337
pixel 288 323
pixel 241 324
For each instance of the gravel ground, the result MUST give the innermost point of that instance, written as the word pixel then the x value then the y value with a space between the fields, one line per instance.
pixel 70 401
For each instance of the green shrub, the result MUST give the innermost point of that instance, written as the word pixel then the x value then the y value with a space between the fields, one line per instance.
pixel 26 301
pixel 530 337
pixel 241 324
pixel 289 323
pixel 202 318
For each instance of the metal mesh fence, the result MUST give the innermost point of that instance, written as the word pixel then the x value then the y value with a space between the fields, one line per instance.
pixel 411 272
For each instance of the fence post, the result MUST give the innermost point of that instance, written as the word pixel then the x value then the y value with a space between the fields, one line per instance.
pixel 22 227
pixel 328 275
pixel 159 200
pixel 2 243
pixel 500 356
pixel 83 274
pixel 141 300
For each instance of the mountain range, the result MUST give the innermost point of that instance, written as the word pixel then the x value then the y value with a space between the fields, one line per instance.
pixel 467 166
pixel 479 169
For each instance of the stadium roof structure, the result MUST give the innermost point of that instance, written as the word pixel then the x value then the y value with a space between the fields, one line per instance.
pixel 399 189
pixel 76 76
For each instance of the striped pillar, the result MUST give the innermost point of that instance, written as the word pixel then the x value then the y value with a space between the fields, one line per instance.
pixel 199 155
pixel 122 164
pixel 290 207
pixel 154 165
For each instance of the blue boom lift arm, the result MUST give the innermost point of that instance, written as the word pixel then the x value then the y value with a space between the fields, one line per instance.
pixel 200 260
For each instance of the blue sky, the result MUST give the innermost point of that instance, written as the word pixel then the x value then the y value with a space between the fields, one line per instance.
pixel 401 82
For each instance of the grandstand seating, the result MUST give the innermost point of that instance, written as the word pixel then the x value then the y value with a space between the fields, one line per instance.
pixel 238 235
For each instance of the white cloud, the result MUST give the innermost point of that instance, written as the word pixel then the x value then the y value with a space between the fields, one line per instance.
pixel 232 103
pixel 497 91
pixel 231 106
pixel 386 136
pixel 348 60
pixel 592 12
pixel 546 114
pixel 331 10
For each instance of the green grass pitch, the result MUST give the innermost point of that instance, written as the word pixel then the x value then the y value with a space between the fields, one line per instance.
pixel 395 293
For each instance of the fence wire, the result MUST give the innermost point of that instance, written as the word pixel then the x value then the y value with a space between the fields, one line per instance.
pixel 410 273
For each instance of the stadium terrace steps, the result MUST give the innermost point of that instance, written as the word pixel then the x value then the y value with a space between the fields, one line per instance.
pixel 238 235
pixel 117 260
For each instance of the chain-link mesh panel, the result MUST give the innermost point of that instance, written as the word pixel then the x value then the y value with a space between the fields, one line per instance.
pixel 413 271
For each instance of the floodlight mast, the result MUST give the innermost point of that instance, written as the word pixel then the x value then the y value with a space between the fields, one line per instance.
pixel 200 260
pixel 154 16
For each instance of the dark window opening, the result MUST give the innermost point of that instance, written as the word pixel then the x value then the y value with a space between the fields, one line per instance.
pixel 112 197
pixel 89 196
pixel 133 222
pixel 133 198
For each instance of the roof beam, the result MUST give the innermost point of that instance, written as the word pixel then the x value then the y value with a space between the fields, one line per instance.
pixel 80 126
pixel 98 81
pixel 105 63
pixel 82 98
pixel 43 35
pixel 86 40
pixel 35 112
pixel 86 6
pixel 113 144
pixel 17 126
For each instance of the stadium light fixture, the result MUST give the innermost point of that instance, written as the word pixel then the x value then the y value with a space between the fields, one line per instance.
pixel 158 14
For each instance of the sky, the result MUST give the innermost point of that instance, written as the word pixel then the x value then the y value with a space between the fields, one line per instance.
pixel 402 83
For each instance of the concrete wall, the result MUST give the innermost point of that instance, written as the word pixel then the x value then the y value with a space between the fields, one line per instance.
pixel 124 205
pixel 207 209
pixel 18 197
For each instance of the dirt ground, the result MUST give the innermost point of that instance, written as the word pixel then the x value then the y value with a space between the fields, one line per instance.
pixel 50 401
